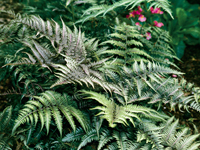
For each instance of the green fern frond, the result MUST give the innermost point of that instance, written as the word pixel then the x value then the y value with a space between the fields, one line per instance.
pixel 121 139
pixel 105 137
pixel 114 113
pixel 112 146
pixel 158 47
pixel 5 117
pixel 130 46
pixel 74 136
pixel 48 105
pixel 5 121
pixel 128 43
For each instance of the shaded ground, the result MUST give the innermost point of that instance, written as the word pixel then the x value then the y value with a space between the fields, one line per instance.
pixel 190 64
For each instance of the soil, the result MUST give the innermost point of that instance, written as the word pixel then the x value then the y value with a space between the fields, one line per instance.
pixel 190 64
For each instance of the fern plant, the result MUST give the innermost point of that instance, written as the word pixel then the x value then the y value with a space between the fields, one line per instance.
pixel 150 82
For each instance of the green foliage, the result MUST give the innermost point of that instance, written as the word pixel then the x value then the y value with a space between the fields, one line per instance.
pixel 186 28
pixel 167 136
pixel 128 51
pixel 141 81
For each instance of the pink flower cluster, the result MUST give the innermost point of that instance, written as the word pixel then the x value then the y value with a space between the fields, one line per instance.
pixel 156 11
pixel 142 18
pixel 135 13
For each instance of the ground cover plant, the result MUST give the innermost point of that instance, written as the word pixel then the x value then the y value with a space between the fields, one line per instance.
pixel 70 88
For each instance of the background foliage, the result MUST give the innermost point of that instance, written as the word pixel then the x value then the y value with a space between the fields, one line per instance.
pixel 81 75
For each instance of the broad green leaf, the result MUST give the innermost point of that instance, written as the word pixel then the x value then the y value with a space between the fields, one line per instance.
pixel 182 16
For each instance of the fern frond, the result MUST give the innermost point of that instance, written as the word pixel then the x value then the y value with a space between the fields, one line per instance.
pixel 128 43
pixel 48 105
pixel 178 139
pixel 5 117
pixel 104 139
pixel 89 137
pixel 148 132
pixel 74 136
pixel 121 140
pixel 114 113
pixel 5 121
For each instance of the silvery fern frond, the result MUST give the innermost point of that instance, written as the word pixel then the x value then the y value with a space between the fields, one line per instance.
pixel 70 53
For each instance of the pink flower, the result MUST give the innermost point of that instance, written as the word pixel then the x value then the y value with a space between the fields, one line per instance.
pixel 158 24
pixel 142 18
pixel 151 9
pixel 156 11
pixel 139 9
pixel 127 16
pixel 135 13
pixel 160 12
pixel 167 59
pixel 138 24
pixel 148 35
pixel 174 76
pixel 132 14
